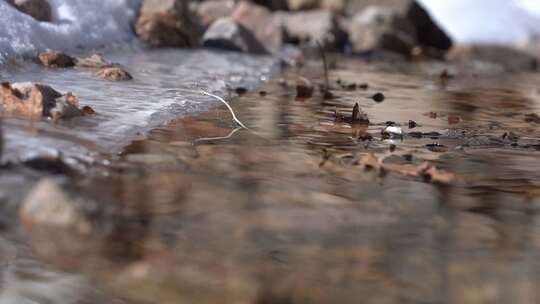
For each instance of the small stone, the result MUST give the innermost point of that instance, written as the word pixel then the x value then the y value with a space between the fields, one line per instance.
pixel 304 88
pixel 240 90
pixel 412 124
pixel 56 60
pixel 392 132
pixel 378 97
pixel 114 74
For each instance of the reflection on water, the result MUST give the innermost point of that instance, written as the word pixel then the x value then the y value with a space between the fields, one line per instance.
pixel 283 213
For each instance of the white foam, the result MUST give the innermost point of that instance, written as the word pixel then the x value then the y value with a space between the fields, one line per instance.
pixel 76 24
pixel 487 21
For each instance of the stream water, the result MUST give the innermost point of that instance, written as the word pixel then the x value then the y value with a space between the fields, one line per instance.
pixel 201 212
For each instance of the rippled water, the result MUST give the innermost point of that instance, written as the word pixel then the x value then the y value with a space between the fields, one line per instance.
pixel 199 212
pixel 166 85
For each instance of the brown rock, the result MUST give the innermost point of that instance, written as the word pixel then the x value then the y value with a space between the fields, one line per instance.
pixel 94 61
pixel 167 23
pixel 56 60
pixel 304 88
pixel 114 73
pixel 37 100
pixel 297 5
pixel 308 27
pixel 212 10
pixel 227 34
pixel 38 9
pixel 262 23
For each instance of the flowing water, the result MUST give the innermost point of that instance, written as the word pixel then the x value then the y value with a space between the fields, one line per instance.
pixel 201 212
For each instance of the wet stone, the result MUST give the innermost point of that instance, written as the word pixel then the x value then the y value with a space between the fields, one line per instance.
pixel 56 60
pixel 114 74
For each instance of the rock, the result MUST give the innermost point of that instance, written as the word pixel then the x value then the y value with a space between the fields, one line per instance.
pixel 94 61
pixel 114 73
pixel 297 5
pixel 48 205
pixel 275 5
pixel 511 60
pixel 262 23
pixel 337 6
pixel 37 100
pixel 399 27
pixel 380 28
pixel 212 10
pixel 167 23
pixel 308 27
pixel 38 9
pixel 304 88
pixel 56 60
pixel 228 34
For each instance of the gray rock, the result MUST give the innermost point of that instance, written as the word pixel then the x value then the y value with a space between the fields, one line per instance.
pixel 38 9
pixel 308 27
pixel 399 27
pixel 227 34
pixel 262 23
pixel 167 23
pixel 381 28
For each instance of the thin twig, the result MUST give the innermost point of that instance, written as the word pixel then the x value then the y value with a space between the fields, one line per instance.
pixel 325 63
pixel 228 107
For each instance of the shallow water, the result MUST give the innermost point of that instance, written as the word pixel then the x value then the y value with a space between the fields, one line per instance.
pixel 166 85
pixel 199 212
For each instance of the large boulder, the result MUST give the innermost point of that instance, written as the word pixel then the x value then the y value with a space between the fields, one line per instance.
pixel 211 10
pixel 38 9
pixel 399 27
pixel 37 100
pixel 264 24
pixel 167 23
pixel 309 27
pixel 227 34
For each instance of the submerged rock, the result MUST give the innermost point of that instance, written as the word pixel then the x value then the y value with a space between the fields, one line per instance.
pixel 56 60
pixel 166 23
pixel 48 205
pixel 262 23
pixel 308 27
pixel 94 61
pixel 114 73
pixel 227 34
pixel 37 100
pixel 212 10
pixel 38 9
